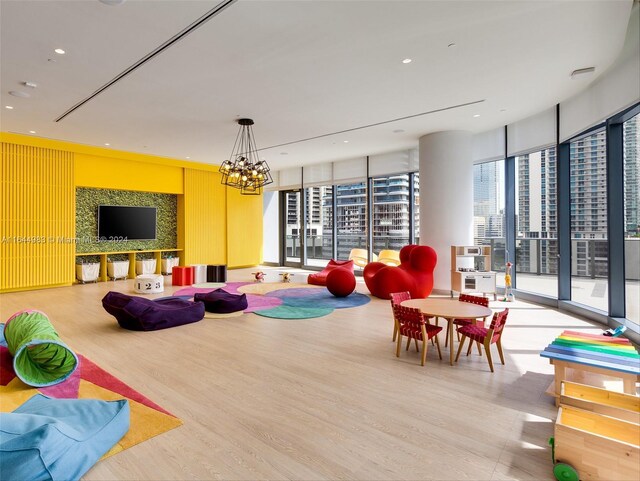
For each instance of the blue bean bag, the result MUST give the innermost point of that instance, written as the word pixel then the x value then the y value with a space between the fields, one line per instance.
pixel 222 302
pixel 59 439
pixel 140 314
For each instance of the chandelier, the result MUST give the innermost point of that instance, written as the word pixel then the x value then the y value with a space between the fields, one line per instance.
pixel 244 170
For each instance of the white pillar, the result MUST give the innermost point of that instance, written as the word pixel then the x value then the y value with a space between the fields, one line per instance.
pixel 446 198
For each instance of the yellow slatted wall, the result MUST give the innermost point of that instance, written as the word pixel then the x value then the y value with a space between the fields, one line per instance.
pixel 37 217
pixel 203 211
pixel 244 229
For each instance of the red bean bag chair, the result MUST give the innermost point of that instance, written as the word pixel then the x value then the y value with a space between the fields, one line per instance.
pixel 320 278
pixel 341 282
pixel 414 274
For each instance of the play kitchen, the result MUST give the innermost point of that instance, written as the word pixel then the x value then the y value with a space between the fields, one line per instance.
pixel 470 270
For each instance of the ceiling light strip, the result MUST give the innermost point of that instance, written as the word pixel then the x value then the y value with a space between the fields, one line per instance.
pixel 177 37
pixel 451 107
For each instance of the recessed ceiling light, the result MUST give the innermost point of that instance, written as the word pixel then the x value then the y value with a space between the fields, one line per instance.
pixel 59 51
pixel 398 131
pixel 8 107
pixel 187 157
pixel 406 60
pixel 31 85
pixel 476 116
pixel 346 141
pixel 112 2
pixel 451 45
pixel 19 93
pixel 107 143
pixel 32 131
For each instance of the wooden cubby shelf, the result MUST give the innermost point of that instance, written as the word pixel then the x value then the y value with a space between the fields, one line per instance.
pixel 132 259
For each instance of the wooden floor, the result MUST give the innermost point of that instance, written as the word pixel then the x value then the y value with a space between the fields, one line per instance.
pixel 320 398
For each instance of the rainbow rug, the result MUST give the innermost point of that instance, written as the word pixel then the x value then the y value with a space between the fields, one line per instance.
pixel 90 381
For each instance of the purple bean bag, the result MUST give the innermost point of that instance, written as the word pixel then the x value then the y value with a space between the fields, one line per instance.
pixel 222 302
pixel 140 314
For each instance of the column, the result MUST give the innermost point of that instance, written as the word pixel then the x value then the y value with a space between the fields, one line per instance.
pixel 446 198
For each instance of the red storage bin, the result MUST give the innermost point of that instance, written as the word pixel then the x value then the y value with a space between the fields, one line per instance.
pixel 182 276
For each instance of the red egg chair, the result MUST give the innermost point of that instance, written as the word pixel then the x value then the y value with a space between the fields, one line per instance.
pixel 320 278
pixel 414 274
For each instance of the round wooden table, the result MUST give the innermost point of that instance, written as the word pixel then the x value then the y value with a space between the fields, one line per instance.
pixel 448 309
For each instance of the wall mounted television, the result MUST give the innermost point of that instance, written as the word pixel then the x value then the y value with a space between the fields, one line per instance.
pixel 120 222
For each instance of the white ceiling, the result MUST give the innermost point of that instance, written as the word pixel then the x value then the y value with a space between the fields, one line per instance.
pixel 300 69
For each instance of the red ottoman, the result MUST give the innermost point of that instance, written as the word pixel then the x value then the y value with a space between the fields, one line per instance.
pixel 182 276
pixel 341 282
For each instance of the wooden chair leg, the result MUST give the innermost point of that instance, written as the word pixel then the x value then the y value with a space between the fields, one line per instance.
pixel 425 345
pixel 479 348
pixel 408 343
pixel 446 337
pixel 438 346
pixel 470 347
pixel 417 348
pixel 460 346
pixel 499 344
pixel 395 330
pixel 398 344
pixel 487 348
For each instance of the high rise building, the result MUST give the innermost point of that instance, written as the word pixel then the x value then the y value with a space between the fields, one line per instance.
pixel 631 136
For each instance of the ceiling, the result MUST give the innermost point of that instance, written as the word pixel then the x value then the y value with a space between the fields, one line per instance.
pixel 300 69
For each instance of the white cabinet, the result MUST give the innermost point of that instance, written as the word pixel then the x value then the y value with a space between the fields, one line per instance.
pixel 464 276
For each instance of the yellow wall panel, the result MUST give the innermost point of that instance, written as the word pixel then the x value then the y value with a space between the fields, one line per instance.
pixel 203 210
pixel 37 217
pixel 122 174
pixel 244 229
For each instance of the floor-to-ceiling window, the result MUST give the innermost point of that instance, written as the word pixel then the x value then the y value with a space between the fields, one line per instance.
pixel 589 244
pixel 391 221
pixel 416 207
pixel 351 218
pixel 488 212
pixel 319 226
pixel 536 222
pixel 292 225
pixel 631 157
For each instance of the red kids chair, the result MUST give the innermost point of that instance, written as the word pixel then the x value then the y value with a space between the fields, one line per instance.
pixel 485 336
pixel 414 274
pixel 411 323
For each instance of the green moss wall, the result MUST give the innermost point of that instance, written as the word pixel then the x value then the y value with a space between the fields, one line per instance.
pixel 88 200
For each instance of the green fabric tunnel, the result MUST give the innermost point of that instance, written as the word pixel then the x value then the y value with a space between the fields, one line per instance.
pixel 40 358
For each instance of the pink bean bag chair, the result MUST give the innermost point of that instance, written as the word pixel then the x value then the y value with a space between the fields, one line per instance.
pixel 414 274
pixel 320 278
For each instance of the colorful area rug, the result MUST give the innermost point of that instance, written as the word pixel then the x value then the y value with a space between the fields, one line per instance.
pixel 318 297
pixel 281 300
pixel 289 312
pixel 90 381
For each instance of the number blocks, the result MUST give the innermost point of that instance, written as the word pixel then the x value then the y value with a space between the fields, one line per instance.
pixel 149 284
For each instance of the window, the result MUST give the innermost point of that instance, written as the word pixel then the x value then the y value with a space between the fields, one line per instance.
pixel 589 243
pixel 488 212
pixel 319 202
pixel 536 222
pixel 416 207
pixel 351 218
pixel 292 226
pixel 631 158
pixel 391 222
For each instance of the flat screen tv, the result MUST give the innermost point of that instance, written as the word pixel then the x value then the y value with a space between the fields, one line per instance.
pixel 119 222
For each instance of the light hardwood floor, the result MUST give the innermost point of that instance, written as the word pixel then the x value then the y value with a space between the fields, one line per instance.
pixel 321 398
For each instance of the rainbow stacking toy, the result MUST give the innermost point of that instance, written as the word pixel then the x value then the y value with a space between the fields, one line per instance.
pixel 609 356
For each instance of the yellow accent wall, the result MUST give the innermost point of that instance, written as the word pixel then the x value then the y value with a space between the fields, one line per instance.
pixel 204 218
pixel 122 174
pixel 37 217
pixel 244 229
pixel 216 225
